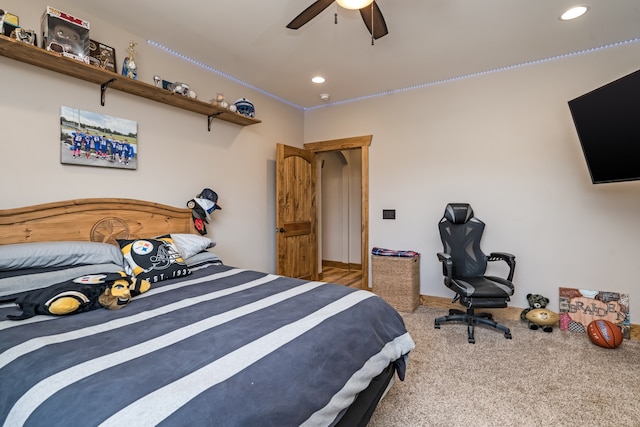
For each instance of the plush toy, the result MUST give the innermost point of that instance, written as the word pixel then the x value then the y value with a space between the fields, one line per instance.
pixel 537 315
pixel 108 290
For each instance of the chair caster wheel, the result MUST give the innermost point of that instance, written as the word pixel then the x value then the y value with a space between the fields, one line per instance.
pixel 472 340
pixel 507 335
pixel 436 325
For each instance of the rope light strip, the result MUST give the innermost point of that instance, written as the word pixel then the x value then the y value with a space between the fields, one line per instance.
pixel 480 73
pixel 220 73
pixel 393 91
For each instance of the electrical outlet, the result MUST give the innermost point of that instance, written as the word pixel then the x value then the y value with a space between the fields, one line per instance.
pixel 388 214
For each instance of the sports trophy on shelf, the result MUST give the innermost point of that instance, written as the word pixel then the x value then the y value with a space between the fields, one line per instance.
pixel 129 67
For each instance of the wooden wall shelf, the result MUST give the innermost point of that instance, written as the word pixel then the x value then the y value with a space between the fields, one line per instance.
pixel 52 61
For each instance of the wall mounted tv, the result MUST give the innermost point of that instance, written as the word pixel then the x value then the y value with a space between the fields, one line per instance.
pixel 607 121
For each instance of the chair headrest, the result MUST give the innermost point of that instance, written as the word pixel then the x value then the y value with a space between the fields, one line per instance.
pixel 458 213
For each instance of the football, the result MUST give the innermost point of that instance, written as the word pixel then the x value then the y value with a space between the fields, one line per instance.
pixel 542 316
pixel 604 333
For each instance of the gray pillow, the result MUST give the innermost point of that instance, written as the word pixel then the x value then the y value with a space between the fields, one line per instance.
pixel 189 244
pixel 202 259
pixel 57 254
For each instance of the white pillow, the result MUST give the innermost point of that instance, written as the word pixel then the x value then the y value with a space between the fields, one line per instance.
pixel 190 244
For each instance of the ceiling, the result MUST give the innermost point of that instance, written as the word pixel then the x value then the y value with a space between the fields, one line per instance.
pixel 429 40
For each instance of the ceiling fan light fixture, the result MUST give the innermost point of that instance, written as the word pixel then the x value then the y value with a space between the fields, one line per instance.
pixel 354 4
pixel 573 13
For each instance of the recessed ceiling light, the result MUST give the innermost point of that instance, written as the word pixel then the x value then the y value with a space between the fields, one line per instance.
pixel 318 79
pixel 573 13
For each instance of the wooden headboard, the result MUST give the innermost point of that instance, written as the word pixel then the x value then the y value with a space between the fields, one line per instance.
pixel 96 220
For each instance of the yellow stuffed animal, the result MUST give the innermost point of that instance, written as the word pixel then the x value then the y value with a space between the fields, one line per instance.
pixel 108 290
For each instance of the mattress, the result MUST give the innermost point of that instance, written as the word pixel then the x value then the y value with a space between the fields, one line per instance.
pixel 223 346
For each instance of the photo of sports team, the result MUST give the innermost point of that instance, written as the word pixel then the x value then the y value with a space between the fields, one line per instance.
pixel 93 139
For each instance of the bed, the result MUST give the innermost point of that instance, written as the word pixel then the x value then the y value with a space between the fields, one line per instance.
pixel 208 344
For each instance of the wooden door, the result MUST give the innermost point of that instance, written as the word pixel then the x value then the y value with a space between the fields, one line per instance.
pixel 296 217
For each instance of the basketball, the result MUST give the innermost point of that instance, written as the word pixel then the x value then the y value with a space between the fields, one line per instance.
pixel 604 333
pixel 542 316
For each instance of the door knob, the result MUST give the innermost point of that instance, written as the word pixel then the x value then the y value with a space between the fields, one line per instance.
pixel 280 230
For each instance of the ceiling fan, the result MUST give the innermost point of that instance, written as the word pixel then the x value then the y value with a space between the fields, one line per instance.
pixel 370 13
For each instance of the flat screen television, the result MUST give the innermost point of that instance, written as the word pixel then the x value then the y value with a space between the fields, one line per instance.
pixel 607 121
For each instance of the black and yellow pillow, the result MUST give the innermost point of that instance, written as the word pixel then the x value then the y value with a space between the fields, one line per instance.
pixel 153 259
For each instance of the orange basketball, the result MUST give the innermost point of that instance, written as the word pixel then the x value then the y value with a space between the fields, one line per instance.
pixel 604 334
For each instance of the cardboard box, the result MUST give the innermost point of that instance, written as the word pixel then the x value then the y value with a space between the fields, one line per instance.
pixel 65 34
pixel 102 55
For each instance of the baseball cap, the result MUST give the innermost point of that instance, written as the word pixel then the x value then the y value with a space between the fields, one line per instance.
pixel 211 195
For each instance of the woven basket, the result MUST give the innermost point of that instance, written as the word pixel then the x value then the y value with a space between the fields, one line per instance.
pixel 397 281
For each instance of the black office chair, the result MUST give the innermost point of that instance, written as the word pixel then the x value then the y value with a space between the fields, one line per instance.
pixel 464 265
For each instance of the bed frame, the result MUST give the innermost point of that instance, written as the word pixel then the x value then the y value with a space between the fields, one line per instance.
pixel 108 219
pixel 95 220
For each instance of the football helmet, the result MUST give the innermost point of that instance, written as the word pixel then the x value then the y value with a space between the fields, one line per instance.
pixel 245 107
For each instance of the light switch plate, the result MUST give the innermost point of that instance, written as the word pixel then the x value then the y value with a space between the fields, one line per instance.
pixel 388 214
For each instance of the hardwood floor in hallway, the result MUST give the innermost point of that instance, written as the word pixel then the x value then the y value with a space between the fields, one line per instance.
pixel 342 276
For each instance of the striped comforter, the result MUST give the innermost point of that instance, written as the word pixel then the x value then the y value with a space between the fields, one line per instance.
pixel 223 346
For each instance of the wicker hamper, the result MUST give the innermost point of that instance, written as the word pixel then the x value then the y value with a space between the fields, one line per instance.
pixel 397 280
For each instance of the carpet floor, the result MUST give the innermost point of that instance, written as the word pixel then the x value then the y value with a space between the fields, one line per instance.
pixel 535 379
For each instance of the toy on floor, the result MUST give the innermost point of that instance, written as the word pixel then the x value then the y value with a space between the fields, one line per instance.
pixel 537 315
pixel 604 333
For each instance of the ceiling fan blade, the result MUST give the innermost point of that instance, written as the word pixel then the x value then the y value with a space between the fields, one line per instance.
pixel 309 13
pixel 376 26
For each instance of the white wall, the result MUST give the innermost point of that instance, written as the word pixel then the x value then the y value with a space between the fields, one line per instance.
pixel 505 143
pixel 340 205
pixel 331 213
pixel 177 156
pixel 355 205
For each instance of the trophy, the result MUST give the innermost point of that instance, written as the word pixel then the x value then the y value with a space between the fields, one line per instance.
pixel 129 67
pixel 219 101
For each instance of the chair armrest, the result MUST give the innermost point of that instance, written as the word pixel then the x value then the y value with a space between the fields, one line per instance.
pixel 447 264
pixel 506 257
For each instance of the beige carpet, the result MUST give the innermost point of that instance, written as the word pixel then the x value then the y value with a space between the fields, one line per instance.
pixel 534 379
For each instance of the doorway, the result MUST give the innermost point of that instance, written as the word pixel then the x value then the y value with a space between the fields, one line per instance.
pixel 352 145
pixel 339 216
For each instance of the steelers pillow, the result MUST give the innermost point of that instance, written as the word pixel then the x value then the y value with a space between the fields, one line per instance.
pixel 153 259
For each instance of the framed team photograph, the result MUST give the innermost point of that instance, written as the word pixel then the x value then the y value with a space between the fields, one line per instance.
pixel 92 139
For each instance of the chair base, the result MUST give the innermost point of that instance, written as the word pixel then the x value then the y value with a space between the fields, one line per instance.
pixel 472 319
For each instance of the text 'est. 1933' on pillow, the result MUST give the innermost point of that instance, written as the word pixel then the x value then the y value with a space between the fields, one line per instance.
pixel 153 259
